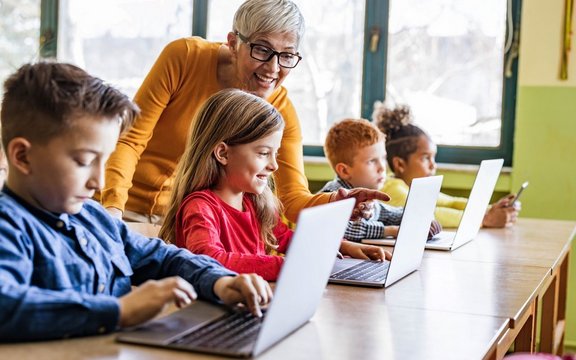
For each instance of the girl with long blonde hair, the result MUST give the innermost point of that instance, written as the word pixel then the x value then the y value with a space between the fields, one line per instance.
pixel 221 204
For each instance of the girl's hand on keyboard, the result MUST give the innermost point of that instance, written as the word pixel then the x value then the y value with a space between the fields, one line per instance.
pixel 249 289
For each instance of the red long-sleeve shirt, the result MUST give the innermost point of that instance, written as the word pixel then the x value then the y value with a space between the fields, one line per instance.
pixel 207 225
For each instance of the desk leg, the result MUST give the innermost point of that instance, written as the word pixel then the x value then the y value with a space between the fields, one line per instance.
pixel 553 322
pixel 549 316
pixel 526 339
pixel 561 306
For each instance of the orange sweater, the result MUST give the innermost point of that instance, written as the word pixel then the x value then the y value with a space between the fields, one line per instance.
pixel 140 172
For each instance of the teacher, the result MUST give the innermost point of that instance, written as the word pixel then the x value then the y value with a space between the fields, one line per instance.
pixel 260 52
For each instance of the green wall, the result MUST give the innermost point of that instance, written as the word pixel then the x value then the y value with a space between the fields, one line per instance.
pixel 545 151
pixel 545 154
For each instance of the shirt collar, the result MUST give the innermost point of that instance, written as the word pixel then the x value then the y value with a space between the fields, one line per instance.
pixel 58 221
pixel 343 183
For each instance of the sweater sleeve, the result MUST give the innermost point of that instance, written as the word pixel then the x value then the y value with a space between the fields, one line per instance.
pixel 201 234
pixel 453 202
pixel 152 97
pixel 290 180
pixel 397 190
pixel 448 211
pixel 448 217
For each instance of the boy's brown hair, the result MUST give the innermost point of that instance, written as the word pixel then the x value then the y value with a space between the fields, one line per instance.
pixel 346 137
pixel 42 100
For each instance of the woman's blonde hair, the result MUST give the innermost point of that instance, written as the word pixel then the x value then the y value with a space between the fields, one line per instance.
pixel 268 16
pixel 235 118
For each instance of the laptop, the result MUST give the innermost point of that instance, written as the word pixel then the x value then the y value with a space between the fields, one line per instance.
pixel 473 215
pixel 199 327
pixel 409 249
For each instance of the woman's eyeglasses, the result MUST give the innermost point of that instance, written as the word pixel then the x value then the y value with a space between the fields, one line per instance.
pixel 264 54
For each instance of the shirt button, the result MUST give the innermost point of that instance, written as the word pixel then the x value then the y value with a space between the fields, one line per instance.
pixel 102 329
pixel 83 242
pixel 60 224
pixel 101 288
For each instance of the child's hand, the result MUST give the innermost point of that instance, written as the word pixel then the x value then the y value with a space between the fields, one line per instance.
pixel 391 231
pixel 501 214
pixel 363 251
pixel 435 228
pixel 249 289
pixel 364 198
pixel 148 299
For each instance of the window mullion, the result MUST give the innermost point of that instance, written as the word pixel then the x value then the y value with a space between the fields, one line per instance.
pixel 200 18
pixel 48 43
pixel 375 52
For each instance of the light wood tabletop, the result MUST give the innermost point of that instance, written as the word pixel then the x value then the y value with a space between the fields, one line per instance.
pixel 341 329
pixel 471 303
pixel 531 242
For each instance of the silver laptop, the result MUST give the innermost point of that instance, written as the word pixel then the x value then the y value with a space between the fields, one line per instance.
pixel 408 252
pixel 298 292
pixel 473 215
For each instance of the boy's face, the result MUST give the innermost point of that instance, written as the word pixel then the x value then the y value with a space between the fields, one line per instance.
pixel 66 171
pixel 368 168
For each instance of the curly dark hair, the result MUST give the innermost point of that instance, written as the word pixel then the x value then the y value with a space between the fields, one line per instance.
pixel 401 134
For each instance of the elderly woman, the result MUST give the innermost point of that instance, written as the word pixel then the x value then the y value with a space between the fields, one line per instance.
pixel 260 52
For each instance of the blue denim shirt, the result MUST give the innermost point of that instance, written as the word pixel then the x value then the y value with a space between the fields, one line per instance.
pixel 61 275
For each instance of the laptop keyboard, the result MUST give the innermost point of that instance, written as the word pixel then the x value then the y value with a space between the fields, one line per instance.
pixel 232 331
pixel 364 271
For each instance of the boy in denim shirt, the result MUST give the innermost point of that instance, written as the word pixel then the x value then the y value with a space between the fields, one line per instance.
pixel 66 266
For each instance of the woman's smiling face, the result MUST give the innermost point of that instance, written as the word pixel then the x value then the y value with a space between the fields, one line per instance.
pixel 262 78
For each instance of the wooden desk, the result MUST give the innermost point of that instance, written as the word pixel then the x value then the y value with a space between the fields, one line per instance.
pixel 468 304
pixel 365 330
pixel 532 242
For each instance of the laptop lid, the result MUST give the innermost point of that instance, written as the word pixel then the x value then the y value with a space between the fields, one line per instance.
pixel 412 235
pixel 472 216
pixel 298 291
pixel 478 201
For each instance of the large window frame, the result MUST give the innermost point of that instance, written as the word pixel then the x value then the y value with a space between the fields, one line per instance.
pixel 374 84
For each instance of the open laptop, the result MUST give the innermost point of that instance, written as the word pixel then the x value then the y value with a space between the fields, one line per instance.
pixel 473 215
pixel 298 292
pixel 409 249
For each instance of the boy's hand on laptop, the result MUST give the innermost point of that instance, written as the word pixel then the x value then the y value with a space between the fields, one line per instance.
pixel 363 251
pixel 364 197
pixel 148 299
pixel 250 289
pixel 501 214
pixel 435 229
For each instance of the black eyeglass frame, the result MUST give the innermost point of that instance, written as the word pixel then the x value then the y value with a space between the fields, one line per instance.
pixel 272 52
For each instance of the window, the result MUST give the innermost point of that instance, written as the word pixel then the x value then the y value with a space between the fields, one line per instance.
pixel 446 60
pixel 119 40
pixel 19 31
pixel 327 85
pixel 454 62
